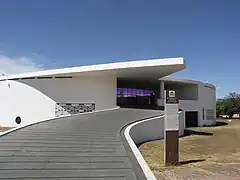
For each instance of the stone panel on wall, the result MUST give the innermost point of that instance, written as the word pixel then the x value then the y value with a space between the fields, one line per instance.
pixel 73 108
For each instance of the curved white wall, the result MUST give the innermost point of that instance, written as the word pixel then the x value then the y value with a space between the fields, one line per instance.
pixel 206 99
pixel 35 99
pixel 148 130
pixel 18 99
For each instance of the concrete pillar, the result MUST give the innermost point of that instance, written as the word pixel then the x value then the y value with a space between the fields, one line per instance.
pixel 162 89
pixel 161 94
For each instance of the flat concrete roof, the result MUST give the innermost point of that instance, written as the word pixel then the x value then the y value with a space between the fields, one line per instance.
pixel 88 146
pixel 154 68
pixel 186 81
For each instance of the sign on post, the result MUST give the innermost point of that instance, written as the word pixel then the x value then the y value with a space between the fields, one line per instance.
pixel 171 128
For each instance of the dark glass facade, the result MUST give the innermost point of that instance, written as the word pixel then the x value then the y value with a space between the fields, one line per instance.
pixel 132 92
pixel 135 97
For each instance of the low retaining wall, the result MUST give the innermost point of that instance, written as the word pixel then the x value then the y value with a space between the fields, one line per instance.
pixel 153 129
pixel 147 130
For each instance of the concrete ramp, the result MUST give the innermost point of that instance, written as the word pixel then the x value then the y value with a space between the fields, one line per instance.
pixel 81 147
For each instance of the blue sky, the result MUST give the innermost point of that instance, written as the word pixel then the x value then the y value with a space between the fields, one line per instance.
pixel 57 33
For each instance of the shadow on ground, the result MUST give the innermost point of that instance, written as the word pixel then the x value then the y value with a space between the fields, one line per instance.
pixel 186 162
pixel 189 132
pixel 190 161
pixel 218 123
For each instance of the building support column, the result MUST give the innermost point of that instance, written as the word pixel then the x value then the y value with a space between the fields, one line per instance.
pixel 162 90
pixel 161 94
pixel 160 97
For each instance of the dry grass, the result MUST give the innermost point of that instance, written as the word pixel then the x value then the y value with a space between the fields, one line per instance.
pixel 213 147
pixel 5 128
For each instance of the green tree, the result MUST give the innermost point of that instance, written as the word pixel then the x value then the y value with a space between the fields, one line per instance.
pixel 220 107
pixel 228 105
pixel 235 102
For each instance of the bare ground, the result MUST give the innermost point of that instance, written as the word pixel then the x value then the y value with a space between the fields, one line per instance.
pixel 205 153
pixel 4 128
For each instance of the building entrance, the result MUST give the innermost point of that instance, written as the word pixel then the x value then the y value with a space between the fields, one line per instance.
pixel 136 94
pixel 191 118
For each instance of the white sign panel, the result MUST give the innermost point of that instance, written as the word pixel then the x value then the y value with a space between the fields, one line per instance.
pixel 171 122
pixel 171 111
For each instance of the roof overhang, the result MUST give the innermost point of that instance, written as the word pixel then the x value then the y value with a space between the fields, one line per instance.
pixel 175 80
pixel 149 69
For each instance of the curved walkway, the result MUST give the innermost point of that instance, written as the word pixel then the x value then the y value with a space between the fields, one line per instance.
pixel 87 146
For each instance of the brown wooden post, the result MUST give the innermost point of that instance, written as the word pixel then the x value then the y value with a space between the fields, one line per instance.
pixel 171 129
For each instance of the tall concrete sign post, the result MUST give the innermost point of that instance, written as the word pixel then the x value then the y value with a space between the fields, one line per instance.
pixel 171 129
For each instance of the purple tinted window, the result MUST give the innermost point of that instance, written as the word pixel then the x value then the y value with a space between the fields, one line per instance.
pixel 137 92
pixel 132 92
pixel 149 92
pixel 118 92
pixel 128 92
pixel 125 92
pixel 145 92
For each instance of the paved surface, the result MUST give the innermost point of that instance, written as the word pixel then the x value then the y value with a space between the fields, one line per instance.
pixel 79 147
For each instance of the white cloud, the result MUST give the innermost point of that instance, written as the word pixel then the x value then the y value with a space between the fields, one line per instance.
pixel 13 65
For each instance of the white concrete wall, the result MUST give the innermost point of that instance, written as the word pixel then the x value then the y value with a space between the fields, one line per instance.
pixel 181 123
pixel 17 99
pixel 191 105
pixel 205 97
pixel 101 91
pixel 34 99
pixel 149 130
pixel 188 93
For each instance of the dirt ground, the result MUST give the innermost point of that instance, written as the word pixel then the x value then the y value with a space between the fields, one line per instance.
pixel 4 128
pixel 205 153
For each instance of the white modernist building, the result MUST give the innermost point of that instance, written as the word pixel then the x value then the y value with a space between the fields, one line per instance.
pixel 31 97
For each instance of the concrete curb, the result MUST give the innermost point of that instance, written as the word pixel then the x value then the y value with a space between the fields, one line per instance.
pixel 147 171
pixel 30 124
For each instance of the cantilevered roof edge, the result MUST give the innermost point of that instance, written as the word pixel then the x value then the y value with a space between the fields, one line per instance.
pixel 100 67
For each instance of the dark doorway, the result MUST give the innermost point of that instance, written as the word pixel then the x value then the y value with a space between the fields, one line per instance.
pixel 191 118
